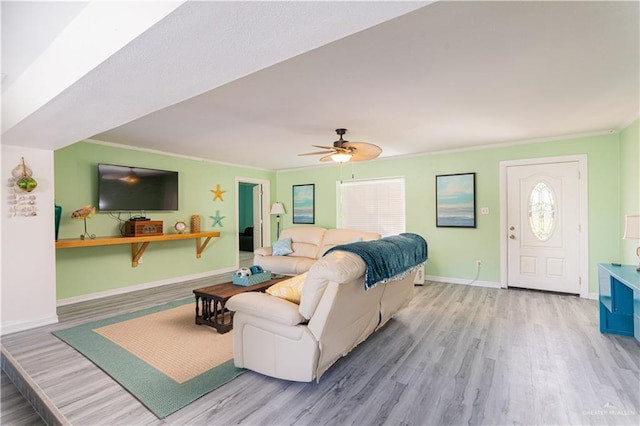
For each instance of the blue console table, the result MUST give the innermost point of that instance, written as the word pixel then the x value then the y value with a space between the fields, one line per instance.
pixel 619 299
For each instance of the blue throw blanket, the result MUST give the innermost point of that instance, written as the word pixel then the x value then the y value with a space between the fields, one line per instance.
pixel 390 258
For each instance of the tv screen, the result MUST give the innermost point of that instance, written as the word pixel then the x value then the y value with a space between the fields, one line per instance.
pixel 123 188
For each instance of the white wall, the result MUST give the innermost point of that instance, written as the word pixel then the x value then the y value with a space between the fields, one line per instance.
pixel 28 268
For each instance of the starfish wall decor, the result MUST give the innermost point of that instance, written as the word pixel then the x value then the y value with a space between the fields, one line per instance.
pixel 217 193
pixel 217 219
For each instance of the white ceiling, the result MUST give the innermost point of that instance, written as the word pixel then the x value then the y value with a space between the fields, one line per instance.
pixel 256 83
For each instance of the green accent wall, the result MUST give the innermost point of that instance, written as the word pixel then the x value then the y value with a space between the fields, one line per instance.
pixel 629 186
pixel 613 190
pixel 454 251
pixel 83 271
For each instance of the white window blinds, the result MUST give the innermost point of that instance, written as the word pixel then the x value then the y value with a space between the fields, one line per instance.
pixel 372 205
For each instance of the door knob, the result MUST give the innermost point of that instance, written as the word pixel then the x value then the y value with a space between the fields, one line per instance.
pixel 513 237
pixel 511 228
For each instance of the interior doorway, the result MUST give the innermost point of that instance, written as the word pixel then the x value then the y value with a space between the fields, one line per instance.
pixel 252 218
pixel 543 218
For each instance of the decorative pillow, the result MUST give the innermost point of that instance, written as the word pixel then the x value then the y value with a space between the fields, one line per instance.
pixel 282 247
pixel 290 289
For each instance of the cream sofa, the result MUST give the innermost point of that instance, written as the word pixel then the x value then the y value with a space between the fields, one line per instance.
pixel 309 243
pixel 281 339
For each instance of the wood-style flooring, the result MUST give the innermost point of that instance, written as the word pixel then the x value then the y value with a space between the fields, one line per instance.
pixel 456 355
pixel 14 409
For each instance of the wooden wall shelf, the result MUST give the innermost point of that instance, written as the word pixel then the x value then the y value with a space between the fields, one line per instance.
pixel 140 244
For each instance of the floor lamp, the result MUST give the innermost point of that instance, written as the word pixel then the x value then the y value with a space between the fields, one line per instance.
pixel 278 209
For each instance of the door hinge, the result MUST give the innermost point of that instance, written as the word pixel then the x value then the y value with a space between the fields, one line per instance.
pixel 579 228
pixel 580 280
pixel 579 175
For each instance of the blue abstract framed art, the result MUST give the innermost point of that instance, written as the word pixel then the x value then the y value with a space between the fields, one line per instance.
pixel 304 203
pixel 456 200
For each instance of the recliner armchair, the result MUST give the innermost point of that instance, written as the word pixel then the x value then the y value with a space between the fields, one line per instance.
pixel 281 339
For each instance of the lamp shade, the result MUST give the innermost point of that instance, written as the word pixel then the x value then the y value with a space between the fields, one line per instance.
pixel 277 208
pixel 631 227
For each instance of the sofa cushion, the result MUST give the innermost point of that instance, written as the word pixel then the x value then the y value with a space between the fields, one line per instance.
pixel 282 247
pixel 284 265
pixel 289 289
pixel 339 267
pixel 334 237
pixel 265 306
pixel 305 240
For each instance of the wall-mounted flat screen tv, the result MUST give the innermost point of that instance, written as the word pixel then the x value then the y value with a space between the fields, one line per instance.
pixel 124 188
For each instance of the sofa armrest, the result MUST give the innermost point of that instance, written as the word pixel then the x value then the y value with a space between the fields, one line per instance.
pixel 263 251
pixel 265 306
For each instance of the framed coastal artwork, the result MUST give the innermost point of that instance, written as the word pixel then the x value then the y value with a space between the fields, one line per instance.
pixel 303 203
pixel 456 200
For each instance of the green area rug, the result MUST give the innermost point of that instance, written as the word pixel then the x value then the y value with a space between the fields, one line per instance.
pixel 156 390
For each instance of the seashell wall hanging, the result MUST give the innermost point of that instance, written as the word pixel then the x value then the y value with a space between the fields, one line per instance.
pixel 22 183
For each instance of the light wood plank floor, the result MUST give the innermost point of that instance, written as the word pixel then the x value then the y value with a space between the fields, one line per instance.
pixel 457 355
pixel 14 409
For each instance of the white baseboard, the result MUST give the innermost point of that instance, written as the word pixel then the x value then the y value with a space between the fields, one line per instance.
pixel 475 283
pixel 15 326
pixel 144 286
pixel 490 284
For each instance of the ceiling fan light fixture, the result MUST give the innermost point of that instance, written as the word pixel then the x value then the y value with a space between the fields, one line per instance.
pixel 341 157
pixel 344 151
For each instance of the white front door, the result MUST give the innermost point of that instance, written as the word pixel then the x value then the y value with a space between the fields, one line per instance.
pixel 543 220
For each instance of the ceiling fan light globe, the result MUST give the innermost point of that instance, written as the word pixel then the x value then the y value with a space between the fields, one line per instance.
pixel 341 157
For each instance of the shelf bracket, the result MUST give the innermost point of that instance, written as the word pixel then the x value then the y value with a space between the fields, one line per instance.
pixel 200 246
pixel 136 252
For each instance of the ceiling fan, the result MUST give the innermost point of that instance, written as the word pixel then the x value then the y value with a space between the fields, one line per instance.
pixel 343 151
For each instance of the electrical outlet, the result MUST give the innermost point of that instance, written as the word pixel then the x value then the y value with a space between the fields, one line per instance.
pixel 478 263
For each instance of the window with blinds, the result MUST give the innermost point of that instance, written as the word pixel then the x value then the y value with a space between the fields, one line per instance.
pixel 372 205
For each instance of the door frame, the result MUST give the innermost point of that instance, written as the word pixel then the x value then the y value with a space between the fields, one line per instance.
pixel 583 244
pixel 266 217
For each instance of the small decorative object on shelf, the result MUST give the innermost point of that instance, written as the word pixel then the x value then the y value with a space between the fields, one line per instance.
pixel 195 223
pixel 22 182
pixel 180 227
pixel 84 213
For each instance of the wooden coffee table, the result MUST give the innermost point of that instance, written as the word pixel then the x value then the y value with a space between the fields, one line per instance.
pixel 210 302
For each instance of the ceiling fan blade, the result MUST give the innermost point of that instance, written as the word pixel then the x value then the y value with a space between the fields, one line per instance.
pixel 363 151
pixel 326 157
pixel 314 153
pixel 359 151
pixel 330 150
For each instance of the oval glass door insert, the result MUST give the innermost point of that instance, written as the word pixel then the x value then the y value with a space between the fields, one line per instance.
pixel 542 211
